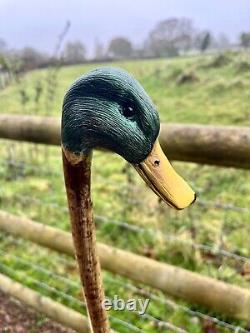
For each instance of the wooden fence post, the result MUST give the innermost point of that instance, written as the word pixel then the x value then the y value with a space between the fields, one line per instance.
pixel 50 308
pixel 215 145
pixel 178 282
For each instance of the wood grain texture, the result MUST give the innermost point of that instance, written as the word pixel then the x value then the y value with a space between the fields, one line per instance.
pixel 192 287
pixel 43 304
pixel 206 144
pixel 78 188
pixel 214 145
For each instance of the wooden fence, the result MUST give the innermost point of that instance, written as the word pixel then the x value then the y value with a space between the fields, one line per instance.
pixel 215 145
pixel 178 282
pixel 52 309
pixel 221 145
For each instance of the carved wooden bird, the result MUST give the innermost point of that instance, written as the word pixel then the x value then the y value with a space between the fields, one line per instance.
pixel 107 108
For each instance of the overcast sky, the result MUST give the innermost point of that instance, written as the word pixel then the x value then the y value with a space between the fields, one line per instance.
pixel 39 22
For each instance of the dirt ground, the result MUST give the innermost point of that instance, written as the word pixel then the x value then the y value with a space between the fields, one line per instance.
pixel 15 317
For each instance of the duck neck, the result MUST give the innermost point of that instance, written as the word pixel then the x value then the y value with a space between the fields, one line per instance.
pixel 77 174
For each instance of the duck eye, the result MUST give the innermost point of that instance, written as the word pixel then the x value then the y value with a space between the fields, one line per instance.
pixel 128 111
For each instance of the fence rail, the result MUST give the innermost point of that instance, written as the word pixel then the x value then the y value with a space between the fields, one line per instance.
pixel 215 145
pixel 193 287
pixel 52 309
pixel 145 293
pixel 222 145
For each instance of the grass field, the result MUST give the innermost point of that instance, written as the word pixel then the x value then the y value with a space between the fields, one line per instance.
pixel 206 90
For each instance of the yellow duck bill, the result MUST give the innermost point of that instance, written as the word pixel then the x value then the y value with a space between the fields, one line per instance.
pixel 158 173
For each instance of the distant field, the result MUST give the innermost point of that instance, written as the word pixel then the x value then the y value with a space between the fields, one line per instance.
pixel 217 92
pixel 206 90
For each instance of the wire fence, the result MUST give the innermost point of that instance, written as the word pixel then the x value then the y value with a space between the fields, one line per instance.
pixel 23 166
pixel 74 302
pixel 150 231
pixel 20 267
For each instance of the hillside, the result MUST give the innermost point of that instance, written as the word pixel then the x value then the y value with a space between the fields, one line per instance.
pixel 213 89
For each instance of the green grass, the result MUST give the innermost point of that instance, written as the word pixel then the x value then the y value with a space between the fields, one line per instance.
pixel 219 95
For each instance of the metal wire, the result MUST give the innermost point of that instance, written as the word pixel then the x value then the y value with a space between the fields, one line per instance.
pixel 70 298
pixel 126 324
pixel 67 281
pixel 43 285
pixel 174 238
pixel 67 297
pixel 176 306
pixel 136 229
pixel 159 323
pixel 43 270
pixel 162 324
pixel 31 167
pixel 153 232
pixel 190 311
pixel 200 202
pixel 224 206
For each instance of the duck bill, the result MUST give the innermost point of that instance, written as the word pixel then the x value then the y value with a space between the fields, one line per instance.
pixel 161 177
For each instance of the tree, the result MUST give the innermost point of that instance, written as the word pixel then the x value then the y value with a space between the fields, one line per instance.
pixel 205 43
pixel 120 47
pixel 223 42
pixel 99 50
pixel 169 37
pixel 31 58
pixel 3 46
pixel 203 40
pixel 245 39
pixel 74 52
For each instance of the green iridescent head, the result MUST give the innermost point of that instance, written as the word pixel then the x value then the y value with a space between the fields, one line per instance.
pixel 108 108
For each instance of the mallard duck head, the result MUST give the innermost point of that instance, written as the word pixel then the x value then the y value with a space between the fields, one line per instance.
pixel 107 108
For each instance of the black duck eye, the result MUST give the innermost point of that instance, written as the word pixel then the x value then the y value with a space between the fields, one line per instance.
pixel 128 111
